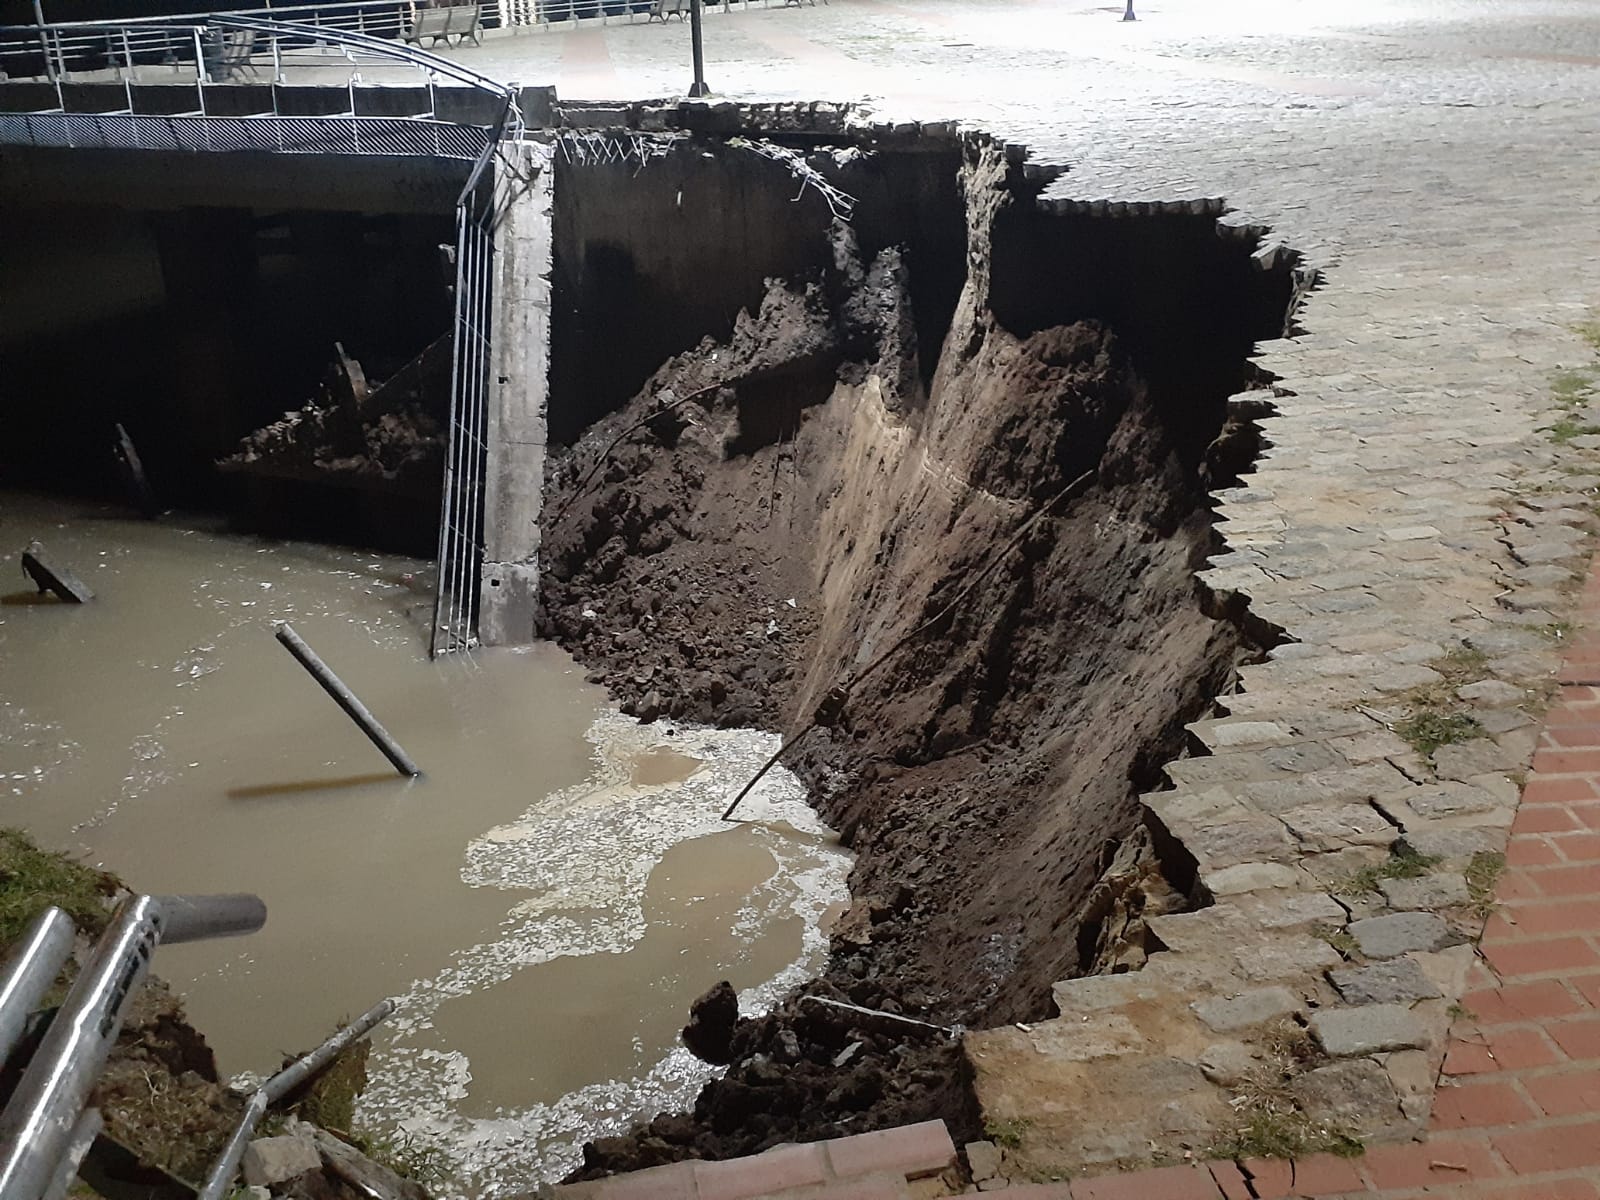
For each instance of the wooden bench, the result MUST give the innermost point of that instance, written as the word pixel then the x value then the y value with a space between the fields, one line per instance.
pixel 459 21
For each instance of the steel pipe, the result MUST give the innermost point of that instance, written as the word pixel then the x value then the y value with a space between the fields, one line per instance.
pixel 84 1132
pixel 195 918
pixel 346 699
pixel 34 963
pixel 280 1085
pixel 37 1127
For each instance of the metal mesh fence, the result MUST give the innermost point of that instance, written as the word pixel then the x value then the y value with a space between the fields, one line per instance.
pixel 278 135
pixel 461 514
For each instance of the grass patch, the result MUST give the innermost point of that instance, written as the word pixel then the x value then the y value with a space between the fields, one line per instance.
pixel 330 1101
pixel 1589 331
pixel 1483 871
pixel 405 1156
pixel 1460 1012
pixel 1007 1133
pixel 1555 630
pixel 1271 1124
pixel 1570 387
pixel 1402 863
pixel 32 879
pixel 1437 716
pixel 1427 731
pixel 1341 940
pixel 1279 1131
pixel 1569 427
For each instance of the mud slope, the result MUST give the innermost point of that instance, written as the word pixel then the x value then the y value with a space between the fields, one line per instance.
pixel 984 590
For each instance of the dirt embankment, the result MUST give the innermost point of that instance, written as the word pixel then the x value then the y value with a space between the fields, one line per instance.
pixel 985 589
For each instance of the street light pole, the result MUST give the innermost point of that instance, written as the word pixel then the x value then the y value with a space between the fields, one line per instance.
pixel 1127 13
pixel 699 88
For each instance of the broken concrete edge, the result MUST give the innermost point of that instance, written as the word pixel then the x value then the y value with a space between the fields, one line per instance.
pixel 303 1148
pixel 1304 969
pixel 906 1152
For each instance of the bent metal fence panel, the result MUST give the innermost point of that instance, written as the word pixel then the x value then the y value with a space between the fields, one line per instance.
pixel 221 47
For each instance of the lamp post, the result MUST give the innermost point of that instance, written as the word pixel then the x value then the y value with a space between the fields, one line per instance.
pixel 1127 13
pixel 698 87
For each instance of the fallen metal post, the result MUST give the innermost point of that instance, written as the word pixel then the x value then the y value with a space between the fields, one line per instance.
pixel 133 471
pixel 44 1119
pixel 33 966
pixel 49 576
pixel 346 699
pixel 280 1085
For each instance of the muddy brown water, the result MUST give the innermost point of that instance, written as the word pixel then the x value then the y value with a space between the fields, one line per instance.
pixel 544 903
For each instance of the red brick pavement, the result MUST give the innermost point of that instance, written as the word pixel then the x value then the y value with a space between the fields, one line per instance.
pixel 1517 1112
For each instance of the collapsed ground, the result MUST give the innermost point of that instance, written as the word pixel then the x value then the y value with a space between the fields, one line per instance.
pixel 959 578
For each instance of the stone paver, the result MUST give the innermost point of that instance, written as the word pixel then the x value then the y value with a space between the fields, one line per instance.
pixel 1410 525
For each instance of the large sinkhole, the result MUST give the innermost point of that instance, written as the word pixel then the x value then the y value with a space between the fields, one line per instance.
pixel 926 491
pixel 857 441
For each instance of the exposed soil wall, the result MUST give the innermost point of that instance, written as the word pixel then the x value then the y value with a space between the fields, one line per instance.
pixel 649 259
pixel 961 575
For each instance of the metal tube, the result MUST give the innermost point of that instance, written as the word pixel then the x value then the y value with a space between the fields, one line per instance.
pixel 222 1171
pixel 441 602
pixel 698 88
pixel 194 918
pixel 34 963
pixel 127 80
pixel 297 1072
pixel 44 42
pixel 84 1132
pixel 37 1126
pixel 280 1085
pixel 200 70
pixel 346 699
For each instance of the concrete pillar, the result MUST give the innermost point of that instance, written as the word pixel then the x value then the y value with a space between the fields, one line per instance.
pixel 518 397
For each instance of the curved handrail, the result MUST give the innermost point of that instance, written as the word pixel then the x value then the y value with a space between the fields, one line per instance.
pixel 383 47
pixel 351 41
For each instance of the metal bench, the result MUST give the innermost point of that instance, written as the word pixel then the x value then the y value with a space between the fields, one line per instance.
pixel 662 9
pixel 459 21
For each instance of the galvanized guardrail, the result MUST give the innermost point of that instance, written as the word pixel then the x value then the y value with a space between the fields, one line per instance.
pixel 45 1129
pixel 224 48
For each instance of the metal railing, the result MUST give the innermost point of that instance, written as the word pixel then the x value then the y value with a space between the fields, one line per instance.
pixel 45 1130
pixel 221 48
pixel 461 509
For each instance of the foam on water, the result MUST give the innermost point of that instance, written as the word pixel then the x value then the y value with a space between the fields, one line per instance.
pixel 584 856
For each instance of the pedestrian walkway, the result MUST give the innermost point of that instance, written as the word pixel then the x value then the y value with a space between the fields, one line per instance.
pixel 1517 1112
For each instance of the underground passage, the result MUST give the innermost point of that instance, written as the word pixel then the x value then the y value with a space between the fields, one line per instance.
pixel 864 473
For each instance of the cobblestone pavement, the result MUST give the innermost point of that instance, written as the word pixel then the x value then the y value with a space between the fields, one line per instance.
pixel 1416 526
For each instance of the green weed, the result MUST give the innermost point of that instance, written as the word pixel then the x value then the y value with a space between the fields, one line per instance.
pixel 1008 1132
pixel 1427 731
pixel 1483 872
pixel 1402 863
pixel 32 879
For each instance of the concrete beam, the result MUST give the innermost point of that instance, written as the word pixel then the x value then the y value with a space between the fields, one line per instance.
pixel 518 397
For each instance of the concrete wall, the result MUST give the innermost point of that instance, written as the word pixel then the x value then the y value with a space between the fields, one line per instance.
pixel 518 398
pixel 193 303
